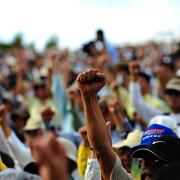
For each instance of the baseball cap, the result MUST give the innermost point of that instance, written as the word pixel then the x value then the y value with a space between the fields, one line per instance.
pixel 70 148
pixel 152 133
pixel 133 139
pixel 164 120
pixel 166 148
pixel 173 85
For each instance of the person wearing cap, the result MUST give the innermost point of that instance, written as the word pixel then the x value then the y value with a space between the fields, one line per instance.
pixel 160 153
pixel 123 150
pixel 41 98
pixel 19 151
pixel 90 82
pixel 130 144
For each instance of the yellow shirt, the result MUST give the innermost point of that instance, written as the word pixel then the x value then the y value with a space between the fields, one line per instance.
pixel 83 154
pixel 2 165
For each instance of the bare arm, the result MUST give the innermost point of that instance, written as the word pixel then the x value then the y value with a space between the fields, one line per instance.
pixel 90 83
pixel 5 127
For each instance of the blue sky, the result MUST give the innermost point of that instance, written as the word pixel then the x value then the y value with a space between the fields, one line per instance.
pixel 75 21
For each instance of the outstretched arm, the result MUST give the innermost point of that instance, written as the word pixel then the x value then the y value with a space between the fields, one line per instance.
pixel 90 82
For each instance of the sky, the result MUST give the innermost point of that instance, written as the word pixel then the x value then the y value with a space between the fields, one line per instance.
pixel 75 21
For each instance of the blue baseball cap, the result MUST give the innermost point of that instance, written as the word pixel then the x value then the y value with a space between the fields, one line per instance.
pixel 152 133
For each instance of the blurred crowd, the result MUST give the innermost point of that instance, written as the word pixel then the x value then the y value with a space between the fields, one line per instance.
pixel 103 106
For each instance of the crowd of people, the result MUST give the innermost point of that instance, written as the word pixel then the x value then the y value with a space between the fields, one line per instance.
pixel 101 112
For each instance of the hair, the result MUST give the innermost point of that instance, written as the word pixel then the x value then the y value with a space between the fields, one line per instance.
pixel 145 76
pixel 100 32
pixel 122 67
pixel 167 65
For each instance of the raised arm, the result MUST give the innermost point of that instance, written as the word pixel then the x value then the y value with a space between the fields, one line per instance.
pixel 16 148
pixel 90 82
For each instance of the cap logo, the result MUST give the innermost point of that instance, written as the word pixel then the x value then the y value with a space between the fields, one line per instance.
pixel 155 142
pixel 159 131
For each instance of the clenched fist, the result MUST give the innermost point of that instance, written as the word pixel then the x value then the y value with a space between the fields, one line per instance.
pixel 90 82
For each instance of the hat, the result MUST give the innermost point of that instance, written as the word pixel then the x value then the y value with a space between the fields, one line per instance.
pixel 164 120
pixel 166 148
pixel 133 139
pixel 70 149
pixel 33 125
pixel 152 133
pixel 173 84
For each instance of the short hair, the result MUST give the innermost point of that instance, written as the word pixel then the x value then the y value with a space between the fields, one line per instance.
pixel 145 76
pixel 100 31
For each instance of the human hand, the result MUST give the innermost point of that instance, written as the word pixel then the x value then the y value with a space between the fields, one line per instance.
pixel 51 158
pixel 90 82
pixel 84 137
pixel 47 113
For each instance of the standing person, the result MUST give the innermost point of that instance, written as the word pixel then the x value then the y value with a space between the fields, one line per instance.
pixel 106 45
pixel 90 82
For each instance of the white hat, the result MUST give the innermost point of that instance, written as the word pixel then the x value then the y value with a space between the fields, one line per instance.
pixel 70 148
pixel 34 124
pixel 164 120
pixel 133 139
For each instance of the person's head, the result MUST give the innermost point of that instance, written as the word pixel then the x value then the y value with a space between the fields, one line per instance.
pixel 19 118
pixel 172 92
pixel 39 61
pixel 144 81
pixel 74 95
pixel 40 89
pixel 158 154
pixel 103 103
pixel 124 154
pixel 33 129
pixel 122 74
pixel 100 35
pixel 164 71
pixel 123 148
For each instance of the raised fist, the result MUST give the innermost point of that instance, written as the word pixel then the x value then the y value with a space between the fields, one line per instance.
pixel 90 82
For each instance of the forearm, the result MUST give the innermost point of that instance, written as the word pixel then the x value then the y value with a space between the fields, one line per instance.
pixel 18 150
pixel 6 129
pixel 95 123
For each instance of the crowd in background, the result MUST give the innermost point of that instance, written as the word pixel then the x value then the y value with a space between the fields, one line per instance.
pixel 40 93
